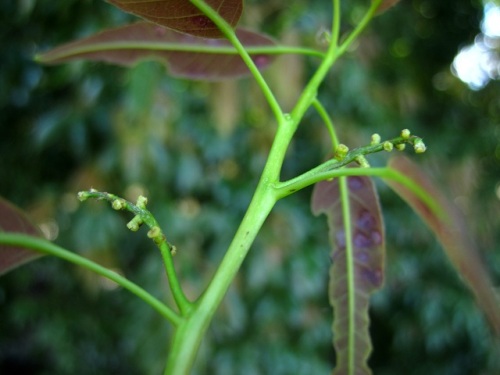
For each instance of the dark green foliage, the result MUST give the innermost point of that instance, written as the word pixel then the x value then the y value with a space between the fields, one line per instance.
pixel 80 125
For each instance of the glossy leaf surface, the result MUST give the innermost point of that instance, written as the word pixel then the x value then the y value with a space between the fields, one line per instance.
pixel 353 277
pixel 182 16
pixel 451 230
pixel 13 220
pixel 185 55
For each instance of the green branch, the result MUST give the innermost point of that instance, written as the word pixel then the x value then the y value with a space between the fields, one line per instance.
pixel 329 169
pixel 48 248
pixel 143 216
pixel 334 52
pixel 328 122
pixel 229 33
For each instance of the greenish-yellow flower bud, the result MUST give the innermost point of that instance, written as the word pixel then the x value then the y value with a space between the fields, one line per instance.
pixel 405 133
pixel 362 161
pixel 376 139
pixel 388 146
pixel 154 232
pixel 118 204
pixel 419 146
pixel 341 152
pixel 134 224
pixel 142 202
pixel 400 146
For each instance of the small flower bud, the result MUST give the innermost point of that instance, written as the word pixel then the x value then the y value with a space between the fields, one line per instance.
pixel 419 146
pixel 173 249
pixel 154 232
pixel 341 152
pixel 361 160
pixel 400 146
pixel 82 196
pixel 388 146
pixel 118 204
pixel 134 224
pixel 375 139
pixel 142 202
pixel 405 133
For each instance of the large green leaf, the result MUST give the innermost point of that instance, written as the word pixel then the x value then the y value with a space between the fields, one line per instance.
pixel 187 56
pixel 358 265
pixel 183 16
pixel 13 220
pixel 448 224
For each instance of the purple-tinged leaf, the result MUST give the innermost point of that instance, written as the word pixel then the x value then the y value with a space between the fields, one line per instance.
pixel 187 56
pixel 451 231
pixel 386 4
pixel 13 220
pixel 350 291
pixel 182 16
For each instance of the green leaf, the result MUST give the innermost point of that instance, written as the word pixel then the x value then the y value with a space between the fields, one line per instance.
pixel 185 55
pixel 450 228
pixel 182 16
pixel 358 265
pixel 14 220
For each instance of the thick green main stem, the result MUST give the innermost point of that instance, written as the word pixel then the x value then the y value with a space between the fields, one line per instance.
pixel 189 334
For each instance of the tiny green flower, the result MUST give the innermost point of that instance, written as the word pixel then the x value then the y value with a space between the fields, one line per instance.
pixel 419 146
pixel 405 133
pixel 142 202
pixel 388 146
pixel 82 196
pixel 135 223
pixel 362 161
pixel 173 249
pixel 118 204
pixel 375 140
pixel 154 232
pixel 341 152
pixel 400 146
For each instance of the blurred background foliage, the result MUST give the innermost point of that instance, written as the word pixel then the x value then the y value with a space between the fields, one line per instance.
pixel 196 150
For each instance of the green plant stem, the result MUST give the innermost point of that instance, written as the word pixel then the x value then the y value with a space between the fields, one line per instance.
pixel 228 31
pixel 333 53
pixel 336 22
pixel 330 168
pixel 46 247
pixel 349 259
pixel 328 122
pixel 308 179
pixel 148 218
pixel 190 333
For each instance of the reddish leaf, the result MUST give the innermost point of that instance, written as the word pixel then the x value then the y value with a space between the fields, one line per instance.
pixel 187 56
pixel 451 230
pixel 350 300
pixel 182 16
pixel 386 4
pixel 13 220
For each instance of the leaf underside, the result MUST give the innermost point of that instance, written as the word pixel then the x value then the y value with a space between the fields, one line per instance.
pixel 451 231
pixel 182 16
pixel 13 220
pixel 185 55
pixel 386 4
pixel 350 300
